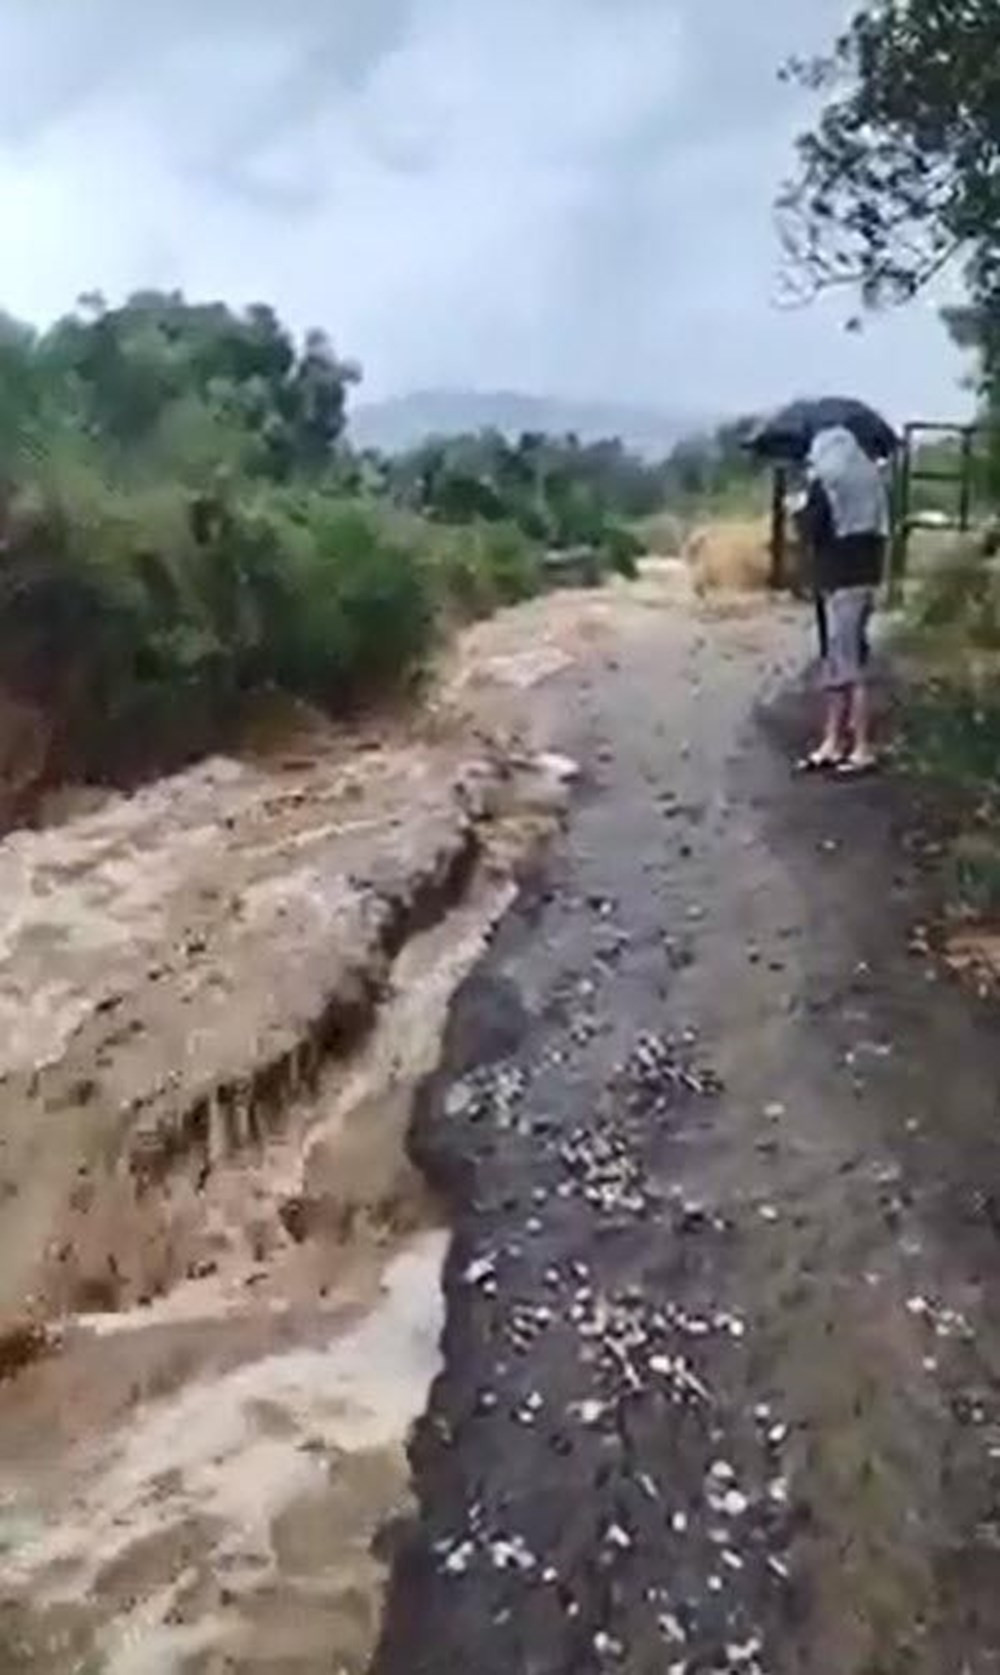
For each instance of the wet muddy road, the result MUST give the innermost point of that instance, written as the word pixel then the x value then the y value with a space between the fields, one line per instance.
pixel 721 1349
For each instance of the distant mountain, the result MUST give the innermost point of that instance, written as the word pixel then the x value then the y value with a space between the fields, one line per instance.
pixel 403 421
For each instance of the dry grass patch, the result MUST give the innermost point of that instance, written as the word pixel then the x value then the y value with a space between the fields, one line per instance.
pixel 731 555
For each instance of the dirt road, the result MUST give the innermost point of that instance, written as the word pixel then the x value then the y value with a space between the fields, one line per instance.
pixel 718 1381
pixel 721 1153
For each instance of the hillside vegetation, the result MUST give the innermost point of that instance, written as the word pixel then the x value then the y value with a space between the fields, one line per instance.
pixel 182 522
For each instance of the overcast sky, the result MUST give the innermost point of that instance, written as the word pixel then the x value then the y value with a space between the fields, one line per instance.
pixel 568 197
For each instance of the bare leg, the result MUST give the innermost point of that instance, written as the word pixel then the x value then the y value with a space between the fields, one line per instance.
pixel 860 716
pixel 834 739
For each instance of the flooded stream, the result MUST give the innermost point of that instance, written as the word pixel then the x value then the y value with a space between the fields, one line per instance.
pixel 220 1293
pixel 198 1484
pixel 238 1514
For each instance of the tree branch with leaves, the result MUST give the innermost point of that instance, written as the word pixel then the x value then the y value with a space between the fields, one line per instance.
pixel 900 175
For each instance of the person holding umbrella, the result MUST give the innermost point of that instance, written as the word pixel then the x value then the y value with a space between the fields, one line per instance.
pixel 846 525
pixel 786 437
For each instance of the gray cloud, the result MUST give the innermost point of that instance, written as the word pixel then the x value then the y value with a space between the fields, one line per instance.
pixel 565 195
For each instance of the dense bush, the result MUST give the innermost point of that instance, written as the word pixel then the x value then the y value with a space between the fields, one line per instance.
pixel 622 550
pixel 956 600
pixel 147 614
pixel 348 607
pixel 478 567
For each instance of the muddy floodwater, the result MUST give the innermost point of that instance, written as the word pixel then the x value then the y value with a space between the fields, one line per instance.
pixel 239 1512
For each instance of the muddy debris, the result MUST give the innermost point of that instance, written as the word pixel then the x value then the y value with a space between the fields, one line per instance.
pixel 22 1344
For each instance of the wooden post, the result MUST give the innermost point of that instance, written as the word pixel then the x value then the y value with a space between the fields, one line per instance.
pixel 902 492
pixel 779 484
pixel 965 487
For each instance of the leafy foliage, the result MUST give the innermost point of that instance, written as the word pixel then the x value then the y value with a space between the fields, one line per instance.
pixel 558 492
pixel 139 625
pixel 902 172
pixel 958 598
pixel 177 527
pixel 182 521
pixel 975 328
pixel 714 468
pixel 480 567
pixel 161 384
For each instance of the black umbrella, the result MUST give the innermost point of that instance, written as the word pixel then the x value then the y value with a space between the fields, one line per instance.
pixel 789 434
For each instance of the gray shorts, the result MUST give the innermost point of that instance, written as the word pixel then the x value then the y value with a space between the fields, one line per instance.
pixel 843 630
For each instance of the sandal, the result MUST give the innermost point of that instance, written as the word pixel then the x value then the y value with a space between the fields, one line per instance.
pixel 857 767
pixel 817 762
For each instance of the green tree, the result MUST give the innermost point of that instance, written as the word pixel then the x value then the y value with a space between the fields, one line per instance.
pixel 556 490
pixel 20 393
pixel 711 466
pixel 319 387
pixel 160 377
pixel 901 173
